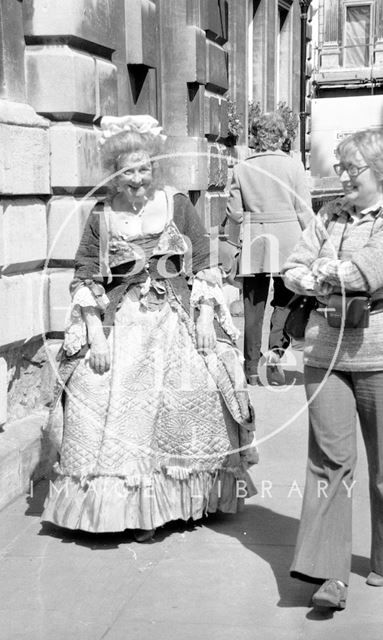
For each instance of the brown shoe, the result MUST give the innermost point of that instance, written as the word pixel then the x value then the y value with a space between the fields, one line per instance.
pixel 374 579
pixel 332 594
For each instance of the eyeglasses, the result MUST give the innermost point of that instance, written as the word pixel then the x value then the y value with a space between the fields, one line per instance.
pixel 352 170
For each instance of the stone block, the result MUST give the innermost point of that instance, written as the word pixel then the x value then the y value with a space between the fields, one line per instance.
pixel 187 163
pixel 86 23
pixel 224 119
pixel 196 109
pixel 32 367
pixel 140 30
pixel 61 82
pixel 24 160
pixel 3 391
pixel 25 455
pixel 26 297
pixel 217 68
pixel 212 115
pixel 21 114
pixel 218 169
pixel 66 219
pixel 215 17
pixel 75 158
pixel 106 88
pixel 215 206
pixel 12 78
pixel 23 234
pixel 59 298
pixel 195 55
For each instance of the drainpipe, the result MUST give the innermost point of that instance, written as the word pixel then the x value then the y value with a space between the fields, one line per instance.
pixel 304 6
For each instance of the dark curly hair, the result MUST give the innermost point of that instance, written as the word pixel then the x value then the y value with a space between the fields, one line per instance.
pixel 268 132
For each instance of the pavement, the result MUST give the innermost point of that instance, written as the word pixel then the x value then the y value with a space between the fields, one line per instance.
pixel 224 577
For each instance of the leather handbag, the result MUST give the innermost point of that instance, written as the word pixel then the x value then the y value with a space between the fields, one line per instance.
pixel 300 308
pixel 229 256
pixel 355 308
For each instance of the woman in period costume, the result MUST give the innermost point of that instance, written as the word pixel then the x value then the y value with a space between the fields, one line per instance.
pixel 157 420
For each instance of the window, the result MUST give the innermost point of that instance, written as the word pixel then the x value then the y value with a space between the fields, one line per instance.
pixel 357 35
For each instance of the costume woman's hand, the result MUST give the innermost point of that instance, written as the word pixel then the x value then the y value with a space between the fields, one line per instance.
pixel 99 358
pixel 205 333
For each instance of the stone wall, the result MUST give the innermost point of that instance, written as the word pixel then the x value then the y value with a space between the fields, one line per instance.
pixel 63 65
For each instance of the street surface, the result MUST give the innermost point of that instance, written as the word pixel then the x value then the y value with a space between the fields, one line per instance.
pixel 223 578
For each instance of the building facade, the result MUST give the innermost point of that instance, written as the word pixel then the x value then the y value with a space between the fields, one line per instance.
pixel 346 82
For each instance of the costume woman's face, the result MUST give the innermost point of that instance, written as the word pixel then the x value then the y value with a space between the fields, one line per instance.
pixel 363 190
pixel 137 176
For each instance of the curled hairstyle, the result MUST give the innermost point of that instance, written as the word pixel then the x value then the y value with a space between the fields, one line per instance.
pixel 369 143
pixel 268 132
pixel 126 142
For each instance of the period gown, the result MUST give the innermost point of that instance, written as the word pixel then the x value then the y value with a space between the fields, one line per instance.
pixel 166 433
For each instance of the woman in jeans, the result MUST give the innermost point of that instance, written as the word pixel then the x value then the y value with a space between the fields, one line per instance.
pixel 342 251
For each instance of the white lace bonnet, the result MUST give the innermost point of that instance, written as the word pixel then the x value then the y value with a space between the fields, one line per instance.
pixel 144 124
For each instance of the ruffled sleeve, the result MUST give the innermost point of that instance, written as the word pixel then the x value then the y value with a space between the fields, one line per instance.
pixel 207 289
pixel 75 336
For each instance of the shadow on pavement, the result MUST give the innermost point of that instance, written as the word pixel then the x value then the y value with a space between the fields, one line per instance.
pixel 271 536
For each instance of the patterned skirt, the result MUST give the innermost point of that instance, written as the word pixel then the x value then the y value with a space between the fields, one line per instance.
pixel 152 439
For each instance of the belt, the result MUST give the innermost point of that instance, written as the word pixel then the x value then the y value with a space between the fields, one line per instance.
pixel 376 306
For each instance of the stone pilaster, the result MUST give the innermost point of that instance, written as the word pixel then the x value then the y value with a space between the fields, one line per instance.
pixel 12 80
pixel 264 58
pixel 238 21
pixel 378 50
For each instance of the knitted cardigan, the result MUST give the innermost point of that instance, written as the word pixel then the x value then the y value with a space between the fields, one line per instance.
pixel 361 242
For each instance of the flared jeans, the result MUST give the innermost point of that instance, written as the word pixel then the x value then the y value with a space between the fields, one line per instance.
pixel 323 547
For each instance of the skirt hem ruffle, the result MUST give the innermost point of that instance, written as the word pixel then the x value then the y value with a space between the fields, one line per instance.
pixel 103 504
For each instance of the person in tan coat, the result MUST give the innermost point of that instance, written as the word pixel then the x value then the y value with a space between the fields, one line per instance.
pixel 269 205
